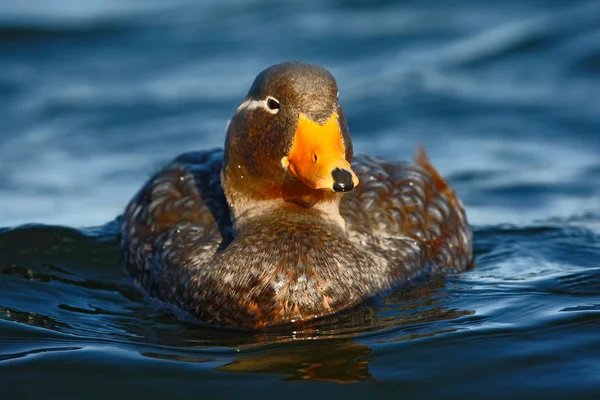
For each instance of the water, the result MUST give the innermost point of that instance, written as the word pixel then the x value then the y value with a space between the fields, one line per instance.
pixel 96 95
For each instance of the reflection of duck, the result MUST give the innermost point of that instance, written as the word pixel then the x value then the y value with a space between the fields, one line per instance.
pixel 264 233
pixel 340 361
pixel 333 360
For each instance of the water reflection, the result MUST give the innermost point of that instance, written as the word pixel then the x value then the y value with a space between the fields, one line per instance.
pixel 333 360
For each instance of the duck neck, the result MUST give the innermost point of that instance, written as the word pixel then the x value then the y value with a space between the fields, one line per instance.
pixel 284 211
pixel 289 197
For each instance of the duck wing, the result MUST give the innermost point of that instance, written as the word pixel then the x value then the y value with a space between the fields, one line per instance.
pixel 182 205
pixel 405 209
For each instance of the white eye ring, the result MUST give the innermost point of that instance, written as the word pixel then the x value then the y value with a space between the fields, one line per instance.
pixel 272 104
pixel 337 96
pixel 265 104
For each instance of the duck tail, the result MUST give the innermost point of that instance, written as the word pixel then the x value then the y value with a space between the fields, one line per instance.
pixel 422 160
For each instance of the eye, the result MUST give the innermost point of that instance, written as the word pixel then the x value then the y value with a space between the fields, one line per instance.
pixel 338 95
pixel 273 104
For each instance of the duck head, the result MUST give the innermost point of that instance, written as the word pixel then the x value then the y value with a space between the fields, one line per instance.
pixel 288 140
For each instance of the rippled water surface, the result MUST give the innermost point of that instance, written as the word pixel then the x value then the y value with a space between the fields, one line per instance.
pixel 96 95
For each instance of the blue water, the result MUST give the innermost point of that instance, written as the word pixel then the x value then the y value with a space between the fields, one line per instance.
pixel 96 95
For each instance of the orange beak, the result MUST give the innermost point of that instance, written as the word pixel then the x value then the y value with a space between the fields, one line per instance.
pixel 318 158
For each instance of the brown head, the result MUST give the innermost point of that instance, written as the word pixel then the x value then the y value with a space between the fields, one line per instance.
pixel 289 139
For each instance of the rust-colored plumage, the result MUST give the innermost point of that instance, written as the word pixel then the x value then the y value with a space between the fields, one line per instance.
pixel 234 239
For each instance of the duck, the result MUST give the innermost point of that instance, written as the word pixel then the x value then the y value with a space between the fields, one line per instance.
pixel 285 224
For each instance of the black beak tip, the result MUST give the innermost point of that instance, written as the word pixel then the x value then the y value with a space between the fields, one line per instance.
pixel 342 180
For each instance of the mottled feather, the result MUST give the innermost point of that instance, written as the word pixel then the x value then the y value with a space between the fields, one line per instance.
pixel 288 265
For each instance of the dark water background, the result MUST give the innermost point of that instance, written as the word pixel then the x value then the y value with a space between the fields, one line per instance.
pixel 505 96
